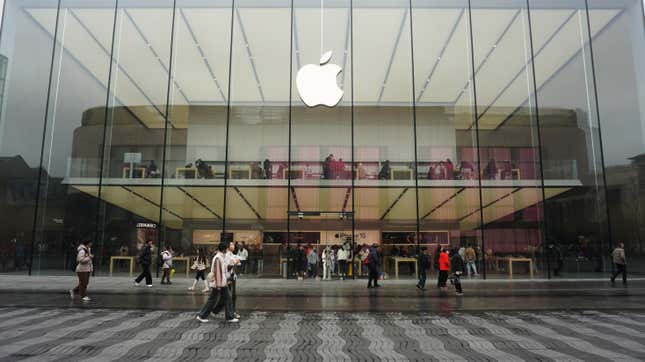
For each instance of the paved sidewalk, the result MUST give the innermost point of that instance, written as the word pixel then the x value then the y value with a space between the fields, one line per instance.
pixel 135 335
pixel 319 296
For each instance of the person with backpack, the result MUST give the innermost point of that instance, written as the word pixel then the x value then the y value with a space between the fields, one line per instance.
pixel 200 265
pixel 618 257
pixel 373 263
pixel 84 267
pixel 166 259
pixel 423 263
pixel 457 268
pixel 145 259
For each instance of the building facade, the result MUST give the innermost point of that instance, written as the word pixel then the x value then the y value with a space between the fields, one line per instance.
pixel 513 127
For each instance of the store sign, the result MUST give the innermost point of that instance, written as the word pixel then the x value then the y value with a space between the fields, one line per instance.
pixel 145 225
pixel 317 83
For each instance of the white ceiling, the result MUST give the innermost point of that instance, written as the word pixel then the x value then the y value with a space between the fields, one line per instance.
pixel 382 67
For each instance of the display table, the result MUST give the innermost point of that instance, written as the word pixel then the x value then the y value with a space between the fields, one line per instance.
pixel 137 172
pixel 520 260
pixel 186 172
pixel 130 259
pixel 402 259
pixel 185 259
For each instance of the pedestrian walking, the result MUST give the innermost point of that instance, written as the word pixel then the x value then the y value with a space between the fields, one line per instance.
pixel 424 263
pixel 200 265
pixel 457 268
pixel 219 288
pixel 231 261
pixel 620 263
pixel 373 267
pixel 145 259
pixel 444 269
pixel 84 267
pixel 166 257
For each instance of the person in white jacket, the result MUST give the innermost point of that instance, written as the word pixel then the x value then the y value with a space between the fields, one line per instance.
pixel 84 267
pixel 327 262
pixel 200 264
pixel 243 254
pixel 166 256
pixel 343 255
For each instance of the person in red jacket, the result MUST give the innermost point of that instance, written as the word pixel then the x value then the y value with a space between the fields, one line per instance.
pixel 444 269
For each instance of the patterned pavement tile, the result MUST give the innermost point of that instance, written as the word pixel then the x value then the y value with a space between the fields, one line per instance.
pixel 134 335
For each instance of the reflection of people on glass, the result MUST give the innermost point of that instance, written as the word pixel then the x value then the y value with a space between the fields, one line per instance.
pixel 490 172
pixel 384 174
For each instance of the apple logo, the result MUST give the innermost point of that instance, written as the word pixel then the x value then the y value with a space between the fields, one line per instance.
pixel 317 83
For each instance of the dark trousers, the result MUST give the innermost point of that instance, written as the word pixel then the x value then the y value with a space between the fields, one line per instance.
pixel 620 269
pixel 145 273
pixel 165 278
pixel 342 267
pixel 218 299
pixel 422 278
pixel 442 279
pixel 457 282
pixel 83 281
pixel 232 291
pixel 373 276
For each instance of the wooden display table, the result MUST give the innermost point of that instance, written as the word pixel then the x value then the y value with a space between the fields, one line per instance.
pixel 401 259
pixel 522 260
pixel 185 172
pixel 130 259
pixel 140 171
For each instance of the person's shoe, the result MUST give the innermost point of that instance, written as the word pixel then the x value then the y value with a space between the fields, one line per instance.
pixel 168 283
pixel 459 294
pixel 205 290
pixel 86 299
pixel 71 293
pixel 136 284
pixel 149 285
pixel 377 286
pixel 369 287
pixel 191 288
pixel 234 320
pixel 419 287
pixel 202 319
pixel 237 316
pixel 162 283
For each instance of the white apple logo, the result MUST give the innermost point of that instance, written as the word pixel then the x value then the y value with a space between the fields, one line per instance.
pixel 317 83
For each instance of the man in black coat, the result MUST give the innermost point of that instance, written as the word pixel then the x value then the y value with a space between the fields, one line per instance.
pixel 373 266
pixel 145 259
pixel 424 263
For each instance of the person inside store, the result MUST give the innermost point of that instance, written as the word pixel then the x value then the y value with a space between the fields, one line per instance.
pixel 385 172
pixel 243 254
pixel 327 166
pixel 423 262
pixel 312 263
pixel 340 169
pixel 145 259
pixel 373 264
pixel 466 170
pixel 450 169
pixel 152 170
pixel 256 170
pixel 490 172
pixel 203 170
pixel 268 173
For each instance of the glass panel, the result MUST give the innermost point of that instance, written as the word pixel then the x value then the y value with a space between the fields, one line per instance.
pixel 256 194
pixel 619 52
pixel 135 127
pixel 321 137
pixel 575 209
pixel 26 58
pixel 386 203
pixel 448 164
pixel 509 141
pixel 74 132
pixel 195 150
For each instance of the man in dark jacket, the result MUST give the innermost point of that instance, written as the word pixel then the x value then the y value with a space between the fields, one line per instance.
pixel 373 263
pixel 457 268
pixel 145 259
pixel 424 262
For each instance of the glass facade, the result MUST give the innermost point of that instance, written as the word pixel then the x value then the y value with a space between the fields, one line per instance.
pixel 515 128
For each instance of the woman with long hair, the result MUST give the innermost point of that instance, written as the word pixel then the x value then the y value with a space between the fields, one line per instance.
pixel 200 264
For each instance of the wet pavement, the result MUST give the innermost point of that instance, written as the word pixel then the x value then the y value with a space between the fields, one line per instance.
pixel 278 295
pixel 55 334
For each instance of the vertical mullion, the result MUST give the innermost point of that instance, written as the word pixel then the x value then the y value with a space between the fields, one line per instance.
pixel 228 118
pixel 477 144
pixel 291 35
pixel 414 125
pixel 162 227
pixel 98 227
pixel 597 106
pixel 351 56
pixel 539 136
pixel 42 145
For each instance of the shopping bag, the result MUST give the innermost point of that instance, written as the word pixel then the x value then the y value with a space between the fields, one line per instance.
pixel 172 272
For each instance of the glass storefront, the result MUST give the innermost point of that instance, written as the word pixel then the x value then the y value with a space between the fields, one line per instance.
pixel 512 131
